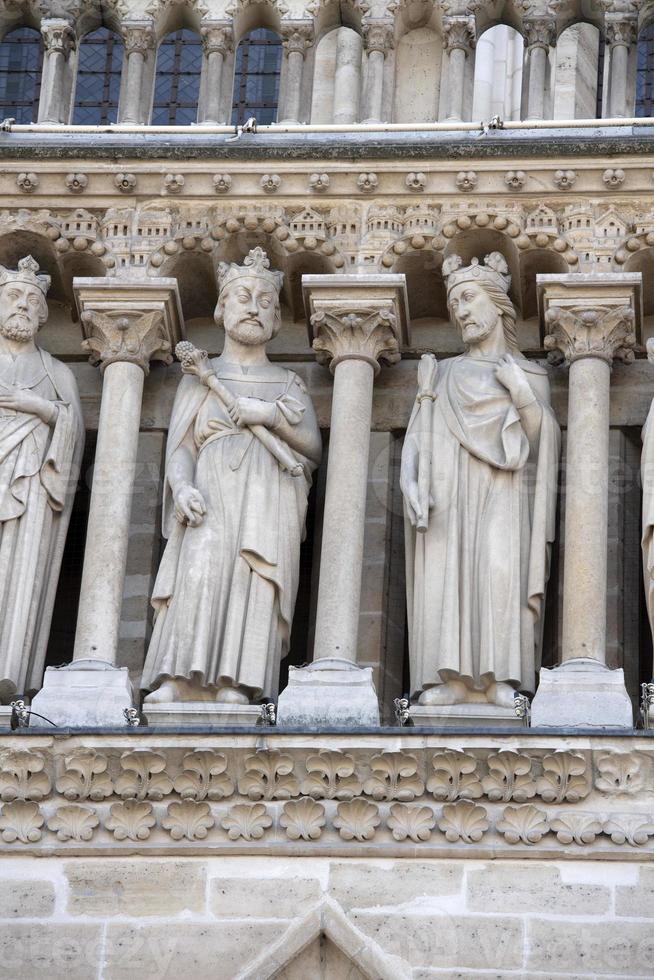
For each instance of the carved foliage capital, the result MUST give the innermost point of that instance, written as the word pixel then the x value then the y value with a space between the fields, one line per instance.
pixel 217 39
pixel 539 32
pixel 604 331
pixel 459 32
pixel 139 39
pixel 378 36
pixel 58 36
pixel 137 338
pixel 297 37
pixel 346 334
pixel 621 30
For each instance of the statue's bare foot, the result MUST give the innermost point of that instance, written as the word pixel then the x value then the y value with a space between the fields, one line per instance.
pixel 501 694
pixel 452 692
pixel 165 694
pixel 231 695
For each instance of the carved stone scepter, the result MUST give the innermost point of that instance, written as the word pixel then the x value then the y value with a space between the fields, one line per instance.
pixel 427 370
pixel 196 361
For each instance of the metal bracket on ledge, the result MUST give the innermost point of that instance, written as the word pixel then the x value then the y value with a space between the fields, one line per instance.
pixel 249 127
pixel 269 713
pixel 132 717
pixel 522 708
pixel 647 704
pixel 495 123
pixel 402 711
pixel 6 124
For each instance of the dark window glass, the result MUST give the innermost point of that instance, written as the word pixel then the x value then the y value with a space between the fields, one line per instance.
pixel 98 78
pixel 256 77
pixel 21 58
pixel 645 72
pixel 177 82
pixel 600 79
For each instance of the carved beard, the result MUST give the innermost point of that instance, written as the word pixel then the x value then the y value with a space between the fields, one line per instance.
pixel 20 329
pixel 473 331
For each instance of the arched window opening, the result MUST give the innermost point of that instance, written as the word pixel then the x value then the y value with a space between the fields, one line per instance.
pixel 21 58
pixel 177 82
pixel 498 74
pixel 645 72
pixel 98 78
pixel 256 77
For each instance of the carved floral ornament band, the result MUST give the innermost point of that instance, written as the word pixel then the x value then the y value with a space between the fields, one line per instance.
pixel 520 800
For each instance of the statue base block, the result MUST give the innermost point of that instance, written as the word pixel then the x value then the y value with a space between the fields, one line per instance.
pixel 84 694
pixel 473 716
pixel 185 714
pixel 5 718
pixel 329 693
pixel 582 693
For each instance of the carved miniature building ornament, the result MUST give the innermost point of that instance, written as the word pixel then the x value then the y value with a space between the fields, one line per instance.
pixel 479 468
pixel 41 444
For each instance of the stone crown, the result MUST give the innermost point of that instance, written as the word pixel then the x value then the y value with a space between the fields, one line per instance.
pixel 256 264
pixel 27 272
pixel 494 270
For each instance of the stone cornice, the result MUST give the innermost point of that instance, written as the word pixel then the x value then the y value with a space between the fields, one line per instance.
pixel 519 796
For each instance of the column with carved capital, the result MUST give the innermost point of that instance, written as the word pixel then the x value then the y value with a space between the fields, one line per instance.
pixel 459 41
pixel 587 321
pixel 355 321
pixel 377 42
pixel 297 39
pixel 540 35
pixel 126 326
pixel 139 41
pixel 56 82
pixel 217 42
pixel 621 32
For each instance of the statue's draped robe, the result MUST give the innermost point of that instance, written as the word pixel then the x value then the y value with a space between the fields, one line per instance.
pixel 225 592
pixel 647 476
pixel 39 468
pixel 476 579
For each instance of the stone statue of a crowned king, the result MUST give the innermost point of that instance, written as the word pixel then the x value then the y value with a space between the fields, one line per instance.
pixel 41 445
pixel 479 479
pixel 242 445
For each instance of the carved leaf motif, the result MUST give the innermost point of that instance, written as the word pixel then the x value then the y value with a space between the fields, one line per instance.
pixel 357 820
pixel 303 819
pixel 573 826
pixel 563 778
pixel 21 820
pixel 634 829
pixel 22 776
pixel 85 777
pixel 73 823
pixel 204 776
pixel 526 824
pixel 509 777
pixel 246 820
pixel 463 821
pixel 456 777
pixel 394 777
pixel 619 772
pixel 269 776
pixel 132 819
pixel 416 822
pixel 144 776
pixel 331 776
pixel 188 819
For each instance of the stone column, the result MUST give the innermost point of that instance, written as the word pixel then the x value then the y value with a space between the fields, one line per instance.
pixel 126 325
pixel 347 76
pixel 217 42
pixel 139 40
pixel 297 38
pixel 621 35
pixel 459 41
pixel 58 42
pixel 377 42
pixel 589 320
pixel 355 321
pixel 540 35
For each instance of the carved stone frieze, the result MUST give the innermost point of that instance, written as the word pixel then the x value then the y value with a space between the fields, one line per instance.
pixel 526 794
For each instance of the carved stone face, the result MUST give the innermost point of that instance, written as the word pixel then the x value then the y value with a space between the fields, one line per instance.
pixel 250 310
pixel 474 312
pixel 21 310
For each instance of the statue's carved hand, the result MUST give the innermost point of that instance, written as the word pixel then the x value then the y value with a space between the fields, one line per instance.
pixel 254 411
pixel 412 501
pixel 190 507
pixel 510 374
pixel 30 404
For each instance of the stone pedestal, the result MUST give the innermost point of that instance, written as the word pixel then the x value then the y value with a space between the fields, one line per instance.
pixel 84 694
pixel 582 693
pixel 329 693
pixel 472 716
pixel 185 714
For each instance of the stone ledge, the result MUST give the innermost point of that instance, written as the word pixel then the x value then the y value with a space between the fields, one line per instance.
pixel 476 796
